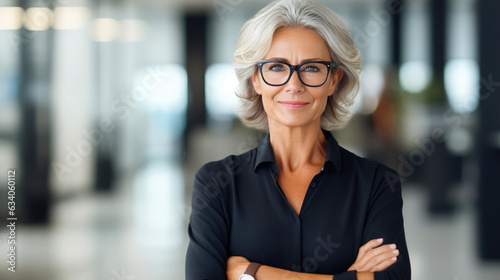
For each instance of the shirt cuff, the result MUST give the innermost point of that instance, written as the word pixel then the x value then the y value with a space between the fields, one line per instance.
pixel 348 275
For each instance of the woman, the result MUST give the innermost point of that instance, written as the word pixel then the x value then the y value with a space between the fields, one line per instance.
pixel 298 206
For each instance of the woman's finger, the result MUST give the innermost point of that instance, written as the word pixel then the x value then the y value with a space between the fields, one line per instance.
pixel 375 256
pixel 381 260
pixel 385 264
pixel 363 251
pixel 369 246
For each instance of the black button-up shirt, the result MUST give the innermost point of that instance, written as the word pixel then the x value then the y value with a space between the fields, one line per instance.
pixel 238 209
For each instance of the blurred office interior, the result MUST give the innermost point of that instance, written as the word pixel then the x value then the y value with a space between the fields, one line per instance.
pixel 108 108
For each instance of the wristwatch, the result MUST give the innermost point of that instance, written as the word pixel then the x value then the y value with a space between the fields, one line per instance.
pixel 250 271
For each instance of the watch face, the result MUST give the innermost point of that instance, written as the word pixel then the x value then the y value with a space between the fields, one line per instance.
pixel 246 277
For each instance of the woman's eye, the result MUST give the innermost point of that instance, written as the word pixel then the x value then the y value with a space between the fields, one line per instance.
pixel 276 67
pixel 311 68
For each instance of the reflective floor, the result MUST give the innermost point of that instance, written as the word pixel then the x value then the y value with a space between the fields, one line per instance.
pixel 139 231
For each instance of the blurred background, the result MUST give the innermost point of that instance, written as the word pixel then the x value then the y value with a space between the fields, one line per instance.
pixel 108 108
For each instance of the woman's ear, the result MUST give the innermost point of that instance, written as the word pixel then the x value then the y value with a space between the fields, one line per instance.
pixel 336 77
pixel 256 83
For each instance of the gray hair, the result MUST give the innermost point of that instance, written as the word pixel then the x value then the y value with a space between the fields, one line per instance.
pixel 255 41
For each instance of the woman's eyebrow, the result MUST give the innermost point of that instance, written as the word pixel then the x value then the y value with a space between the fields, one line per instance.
pixel 302 61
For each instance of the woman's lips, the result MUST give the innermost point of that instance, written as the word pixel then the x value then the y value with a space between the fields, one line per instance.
pixel 293 104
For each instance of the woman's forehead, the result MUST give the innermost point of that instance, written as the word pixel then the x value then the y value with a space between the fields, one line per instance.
pixel 298 42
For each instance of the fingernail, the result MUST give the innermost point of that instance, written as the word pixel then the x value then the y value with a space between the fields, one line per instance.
pixel 394 258
pixel 380 240
pixel 395 252
pixel 392 246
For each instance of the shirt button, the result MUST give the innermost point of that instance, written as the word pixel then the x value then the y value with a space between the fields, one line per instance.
pixel 313 185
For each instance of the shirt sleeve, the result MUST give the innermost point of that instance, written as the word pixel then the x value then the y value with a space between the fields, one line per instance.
pixel 208 231
pixel 385 219
pixel 348 275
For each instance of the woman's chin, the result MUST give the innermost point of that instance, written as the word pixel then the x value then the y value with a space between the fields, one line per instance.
pixel 296 123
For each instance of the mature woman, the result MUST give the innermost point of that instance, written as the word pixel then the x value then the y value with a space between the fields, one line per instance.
pixel 298 206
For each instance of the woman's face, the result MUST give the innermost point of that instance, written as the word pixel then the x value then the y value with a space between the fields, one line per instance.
pixel 295 104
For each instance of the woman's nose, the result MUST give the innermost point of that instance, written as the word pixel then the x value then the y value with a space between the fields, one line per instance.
pixel 294 83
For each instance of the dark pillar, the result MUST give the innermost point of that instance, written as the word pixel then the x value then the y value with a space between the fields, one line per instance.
pixel 396 33
pixel 104 165
pixel 105 77
pixel 489 129
pixel 439 168
pixel 196 65
pixel 438 37
pixel 34 134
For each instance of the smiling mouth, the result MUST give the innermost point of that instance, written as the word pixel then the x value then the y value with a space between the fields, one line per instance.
pixel 293 104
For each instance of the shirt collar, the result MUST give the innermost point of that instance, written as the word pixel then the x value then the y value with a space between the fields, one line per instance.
pixel 265 152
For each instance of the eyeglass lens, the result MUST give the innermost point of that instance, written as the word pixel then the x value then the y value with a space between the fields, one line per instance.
pixel 277 73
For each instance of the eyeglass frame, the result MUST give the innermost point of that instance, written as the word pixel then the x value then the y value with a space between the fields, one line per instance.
pixel 328 64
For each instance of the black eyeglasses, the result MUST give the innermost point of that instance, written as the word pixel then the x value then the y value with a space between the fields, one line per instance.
pixel 278 73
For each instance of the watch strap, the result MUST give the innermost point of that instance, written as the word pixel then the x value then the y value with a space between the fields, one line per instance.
pixel 252 269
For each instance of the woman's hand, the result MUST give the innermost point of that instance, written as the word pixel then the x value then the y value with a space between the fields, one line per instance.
pixel 235 267
pixel 373 257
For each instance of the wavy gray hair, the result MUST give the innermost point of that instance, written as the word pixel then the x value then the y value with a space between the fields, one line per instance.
pixel 255 41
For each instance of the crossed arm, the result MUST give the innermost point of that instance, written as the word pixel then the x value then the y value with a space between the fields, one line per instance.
pixel 371 257
pixel 208 256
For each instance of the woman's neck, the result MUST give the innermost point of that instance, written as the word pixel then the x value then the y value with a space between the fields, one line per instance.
pixel 297 147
